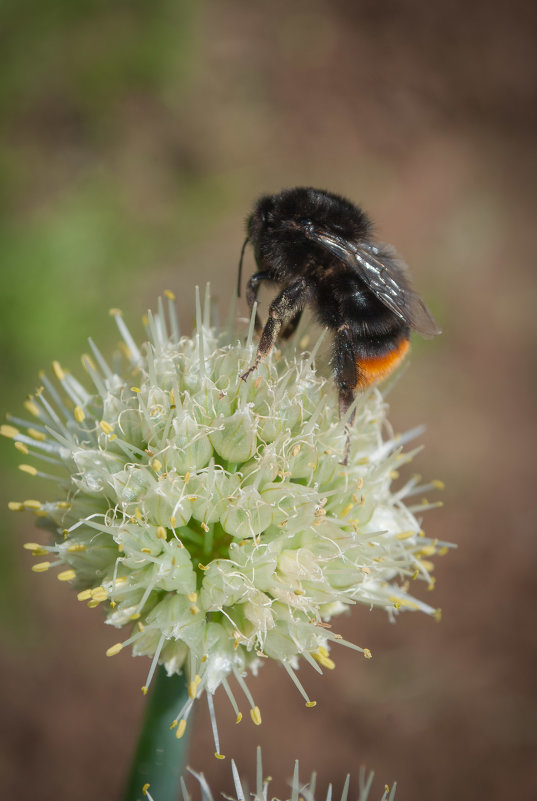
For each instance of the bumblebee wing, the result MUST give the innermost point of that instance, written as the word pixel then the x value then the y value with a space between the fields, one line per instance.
pixel 386 276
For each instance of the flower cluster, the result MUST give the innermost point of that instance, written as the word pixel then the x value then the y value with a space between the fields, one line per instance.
pixel 212 518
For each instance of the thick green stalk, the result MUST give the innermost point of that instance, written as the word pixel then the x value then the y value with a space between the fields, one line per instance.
pixel 160 757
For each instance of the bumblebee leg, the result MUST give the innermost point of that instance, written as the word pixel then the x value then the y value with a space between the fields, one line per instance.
pixel 288 303
pixel 252 288
pixel 291 326
pixel 346 377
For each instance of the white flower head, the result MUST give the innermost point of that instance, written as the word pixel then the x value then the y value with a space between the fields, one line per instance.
pixel 212 518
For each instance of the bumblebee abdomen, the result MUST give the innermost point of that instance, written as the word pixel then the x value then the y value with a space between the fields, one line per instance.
pixel 376 368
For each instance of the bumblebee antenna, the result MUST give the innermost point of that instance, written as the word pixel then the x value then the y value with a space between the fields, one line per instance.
pixel 240 266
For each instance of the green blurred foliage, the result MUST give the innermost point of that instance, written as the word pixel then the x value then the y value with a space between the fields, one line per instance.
pixel 78 228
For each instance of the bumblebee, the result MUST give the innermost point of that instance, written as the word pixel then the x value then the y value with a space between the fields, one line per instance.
pixel 319 249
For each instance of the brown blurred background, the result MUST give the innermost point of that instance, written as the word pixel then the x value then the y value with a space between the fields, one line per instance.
pixel 136 136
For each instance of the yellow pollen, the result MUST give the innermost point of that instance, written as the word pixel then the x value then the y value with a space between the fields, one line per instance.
pixel 114 649
pixel 415 574
pixel 31 546
pixel 161 533
pixel 181 728
pixel 404 535
pixel 78 547
pixel 87 362
pixel 437 484
pixel 15 506
pixel 93 603
pixel 9 431
pixel 41 567
pixel 193 686
pixel 145 788
pixel 79 414
pixel 186 478
pixel 173 724
pixel 40 513
pixel 135 616
pixel 368 654
pixel 66 575
pixel 84 595
pixel 348 508
pixel 255 714
pixel 311 704
pixel 169 294
pixel 219 756
pixel 202 567
pixel 105 427
pixel 28 468
pixel 157 466
pixel 31 407
pixel 326 662
pixel 146 550
pixel 438 615
pixel 21 447
pixel 192 597
pixel 136 389
pixel 430 585
pixel 194 609
pixel 144 690
pixel 205 527
pixel 398 602
pixel 427 565
pixel 114 312
pixel 428 550
pixel 239 718
pixel 57 370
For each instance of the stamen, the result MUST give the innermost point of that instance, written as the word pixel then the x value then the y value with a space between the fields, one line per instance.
pixel 216 739
pixel 295 785
pixel 232 700
pixel 134 353
pixel 154 663
pixel 298 685
pixel 239 792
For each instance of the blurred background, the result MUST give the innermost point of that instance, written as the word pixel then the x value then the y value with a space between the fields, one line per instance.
pixel 135 138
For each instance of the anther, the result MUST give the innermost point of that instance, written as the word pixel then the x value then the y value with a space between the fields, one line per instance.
pixel 66 575
pixel 9 431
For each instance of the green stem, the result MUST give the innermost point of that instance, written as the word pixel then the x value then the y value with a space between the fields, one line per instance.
pixel 160 757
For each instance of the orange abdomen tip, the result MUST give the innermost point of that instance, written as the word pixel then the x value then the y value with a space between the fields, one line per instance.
pixel 379 367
